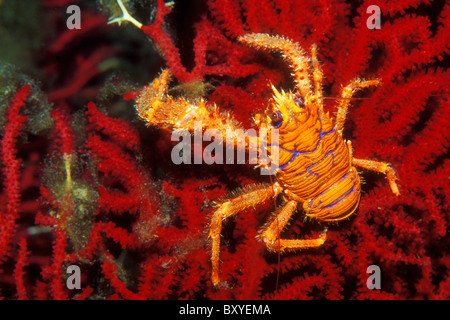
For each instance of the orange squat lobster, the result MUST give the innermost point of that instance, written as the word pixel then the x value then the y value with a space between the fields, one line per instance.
pixel 316 166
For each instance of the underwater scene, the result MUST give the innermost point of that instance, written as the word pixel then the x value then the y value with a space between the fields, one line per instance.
pixel 224 150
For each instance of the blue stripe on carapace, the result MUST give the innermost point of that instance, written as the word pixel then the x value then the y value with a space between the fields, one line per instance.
pixel 314 174
pixel 326 190
pixel 340 198
pixel 323 134
pixel 314 164
pixel 345 214
pixel 296 153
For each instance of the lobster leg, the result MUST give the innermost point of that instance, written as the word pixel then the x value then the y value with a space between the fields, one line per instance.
pixel 317 75
pixel 271 235
pixel 346 95
pixel 290 51
pixel 381 167
pixel 230 208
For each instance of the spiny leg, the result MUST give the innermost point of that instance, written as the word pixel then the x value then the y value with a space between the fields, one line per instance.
pixel 346 95
pixel 317 74
pixel 230 208
pixel 291 51
pixel 381 167
pixel 271 235
pixel 350 151
pixel 152 96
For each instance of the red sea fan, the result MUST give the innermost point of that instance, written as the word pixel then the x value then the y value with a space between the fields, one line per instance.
pixel 10 170
pixel 405 122
pixel 100 192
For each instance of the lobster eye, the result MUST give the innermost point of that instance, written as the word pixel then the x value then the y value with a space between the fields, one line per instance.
pixel 276 118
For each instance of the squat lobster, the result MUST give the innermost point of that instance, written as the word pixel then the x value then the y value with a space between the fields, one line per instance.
pixel 316 165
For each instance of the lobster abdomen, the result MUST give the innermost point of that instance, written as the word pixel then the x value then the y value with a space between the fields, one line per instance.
pixel 337 202
pixel 315 165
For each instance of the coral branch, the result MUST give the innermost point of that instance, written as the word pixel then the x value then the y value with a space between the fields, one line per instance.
pixel 19 270
pixel 11 165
